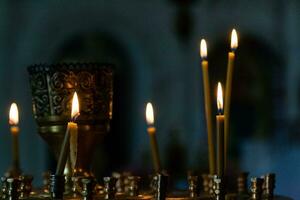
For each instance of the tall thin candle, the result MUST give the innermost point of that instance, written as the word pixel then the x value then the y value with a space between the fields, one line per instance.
pixel 220 132
pixel 152 134
pixel 72 128
pixel 14 129
pixel 207 103
pixel 230 67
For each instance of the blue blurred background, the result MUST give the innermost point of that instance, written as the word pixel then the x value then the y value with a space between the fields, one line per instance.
pixel 155 47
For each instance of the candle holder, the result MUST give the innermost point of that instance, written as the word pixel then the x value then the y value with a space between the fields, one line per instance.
pixel 57 186
pixel 52 88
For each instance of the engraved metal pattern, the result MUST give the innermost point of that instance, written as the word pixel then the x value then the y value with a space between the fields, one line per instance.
pixel 53 86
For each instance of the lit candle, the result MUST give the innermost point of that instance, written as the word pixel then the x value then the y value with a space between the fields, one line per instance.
pixel 152 134
pixel 72 129
pixel 14 129
pixel 230 66
pixel 220 132
pixel 207 103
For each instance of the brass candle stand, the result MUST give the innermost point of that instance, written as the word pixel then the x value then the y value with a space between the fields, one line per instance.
pixel 89 188
pixel 52 89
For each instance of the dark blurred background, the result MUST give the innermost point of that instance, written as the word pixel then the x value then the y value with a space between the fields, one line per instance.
pixel 155 48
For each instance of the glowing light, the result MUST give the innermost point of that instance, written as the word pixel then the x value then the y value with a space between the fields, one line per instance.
pixel 149 114
pixel 13 114
pixel 220 97
pixel 75 106
pixel 203 49
pixel 234 40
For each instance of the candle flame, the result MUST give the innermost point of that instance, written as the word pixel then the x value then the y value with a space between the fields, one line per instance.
pixel 234 39
pixel 13 114
pixel 203 49
pixel 149 114
pixel 220 97
pixel 75 107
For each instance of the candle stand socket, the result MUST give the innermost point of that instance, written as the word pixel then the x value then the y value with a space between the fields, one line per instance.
pixel 57 186
pixel 134 185
pixel 109 187
pixel 88 187
pixel 13 185
pixel 25 185
pixel 242 183
pixel 76 186
pixel 269 186
pixel 160 183
pixel 256 188
pixel 218 188
pixel 193 181
pixel 3 187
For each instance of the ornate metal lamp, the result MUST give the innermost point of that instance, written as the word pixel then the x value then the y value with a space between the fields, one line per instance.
pixel 52 89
